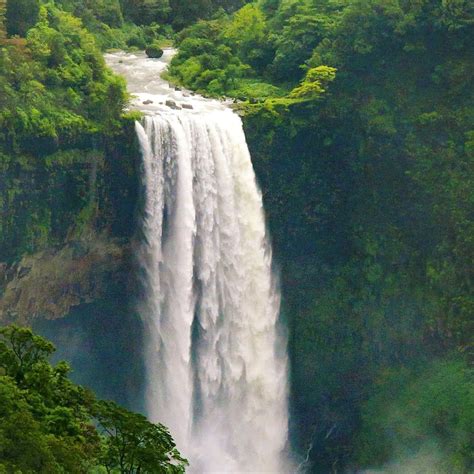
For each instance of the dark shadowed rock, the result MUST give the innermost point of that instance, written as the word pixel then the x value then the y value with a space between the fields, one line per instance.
pixel 172 105
pixel 154 51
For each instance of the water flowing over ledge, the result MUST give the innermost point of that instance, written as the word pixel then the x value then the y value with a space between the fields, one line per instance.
pixel 216 365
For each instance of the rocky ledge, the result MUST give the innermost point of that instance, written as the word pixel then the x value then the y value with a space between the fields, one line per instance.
pixel 46 285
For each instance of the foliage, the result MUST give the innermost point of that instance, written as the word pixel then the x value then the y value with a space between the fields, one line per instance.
pixel 57 88
pixel 59 108
pixel 313 85
pixel 185 13
pixel 46 422
pixel 204 63
pixel 367 179
pixel 101 16
pixel 21 15
pixel 247 34
pixel 3 25
pixel 145 12
pixel 434 405
pixel 299 27
pixel 373 181
pixel 270 47
pixel 120 25
pixel 133 444
pixel 94 11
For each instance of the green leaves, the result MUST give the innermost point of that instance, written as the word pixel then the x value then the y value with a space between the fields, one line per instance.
pixel 409 411
pixel 21 352
pixel 21 15
pixel 132 444
pixel 315 83
pixel 46 420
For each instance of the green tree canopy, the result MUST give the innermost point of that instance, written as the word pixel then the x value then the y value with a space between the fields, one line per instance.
pixel 132 444
pixel 48 424
pixel 21 15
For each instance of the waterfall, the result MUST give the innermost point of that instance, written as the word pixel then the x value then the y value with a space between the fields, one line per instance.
pixel 215 363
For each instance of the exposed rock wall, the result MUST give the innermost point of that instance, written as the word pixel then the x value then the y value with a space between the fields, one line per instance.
pixel 67 223
pixel 46 285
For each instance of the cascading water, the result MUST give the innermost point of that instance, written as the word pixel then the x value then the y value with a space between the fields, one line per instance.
pixel 216 366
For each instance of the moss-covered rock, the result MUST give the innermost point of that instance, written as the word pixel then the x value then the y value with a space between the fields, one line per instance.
pixel 154 51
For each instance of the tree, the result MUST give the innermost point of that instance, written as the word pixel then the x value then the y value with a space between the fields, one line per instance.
pixel 300 27
pixel 107 11
pixel 21 15
pixel 133 445
pixel 46 421
pixel 21 351
pixel 248 33
pixel 313 85
pixel 184 13
pixel 23 445
pixel 145 12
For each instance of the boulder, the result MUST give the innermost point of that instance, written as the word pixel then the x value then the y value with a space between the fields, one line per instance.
pixel 154 51
pixel 172 105
pixel 187 106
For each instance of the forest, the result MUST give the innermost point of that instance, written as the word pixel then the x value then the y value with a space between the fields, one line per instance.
pixel 359 116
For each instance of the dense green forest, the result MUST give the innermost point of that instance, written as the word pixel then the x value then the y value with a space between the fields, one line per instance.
pixel 360 119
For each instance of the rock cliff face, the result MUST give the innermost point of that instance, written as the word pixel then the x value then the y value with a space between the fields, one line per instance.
pixel 66 266
pixel 48 284
pixel 82 297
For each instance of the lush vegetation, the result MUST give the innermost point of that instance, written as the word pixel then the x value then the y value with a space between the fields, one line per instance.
pixel 434 408
pixel 60 114
pixel 129 24
pixel 360 120
pixel 50 425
